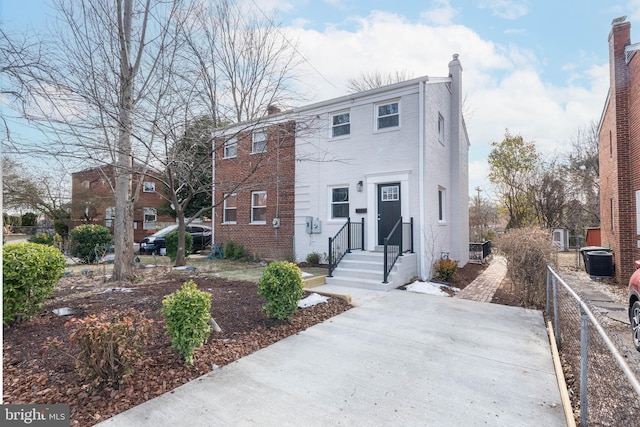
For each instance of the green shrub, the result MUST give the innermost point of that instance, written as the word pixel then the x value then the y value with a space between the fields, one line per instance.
pixel 445 269
pixel 187 312
pixel 85 238
pixel 229 250
pixel 46 239
pixel 171 242
pixel 281 286
pixel 239 252
pixel 29 273
pixel 29 219
pixel 313 258
pixel 109 344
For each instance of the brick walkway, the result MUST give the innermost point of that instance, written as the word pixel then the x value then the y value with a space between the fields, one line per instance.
pixel 485 285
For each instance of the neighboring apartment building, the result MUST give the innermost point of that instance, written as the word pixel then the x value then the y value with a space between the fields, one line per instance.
pixel 93 201
pixel 619 152
pixel 398 150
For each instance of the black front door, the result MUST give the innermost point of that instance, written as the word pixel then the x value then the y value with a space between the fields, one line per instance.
pixel 388 209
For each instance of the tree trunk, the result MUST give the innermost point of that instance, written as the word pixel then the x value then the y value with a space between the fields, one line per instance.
pixel 181 259
pixel 123 229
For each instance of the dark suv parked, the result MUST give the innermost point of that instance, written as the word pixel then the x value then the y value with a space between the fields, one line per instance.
pixel 155 243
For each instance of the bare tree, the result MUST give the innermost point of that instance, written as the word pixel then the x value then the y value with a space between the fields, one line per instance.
pixel 376 79
pixel 549 195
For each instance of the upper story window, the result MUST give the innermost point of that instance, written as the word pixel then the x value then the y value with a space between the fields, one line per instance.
pixel 231 148
pixel 440 128
pixel 259 207
pixel 149 187
pixel 230 209
pixel 259 142
pixel 86 183
pixel 340 124
pixel 109 215
pixel 387 115
pixel 340 202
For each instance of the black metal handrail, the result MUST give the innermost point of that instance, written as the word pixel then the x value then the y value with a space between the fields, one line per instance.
pixel 394 245
pixel 349 237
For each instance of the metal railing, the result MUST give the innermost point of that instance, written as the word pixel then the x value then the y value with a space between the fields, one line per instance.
pixel 479 251
pixel 395 245
pixel 349 237
pixel 613 393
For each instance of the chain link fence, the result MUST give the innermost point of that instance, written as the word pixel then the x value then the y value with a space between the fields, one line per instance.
pixel 600 369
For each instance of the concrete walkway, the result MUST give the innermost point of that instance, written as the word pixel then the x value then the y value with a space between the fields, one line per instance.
pixel 484 286
pixel 397 358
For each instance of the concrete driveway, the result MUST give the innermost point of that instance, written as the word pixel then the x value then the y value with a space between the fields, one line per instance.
pixel 399 358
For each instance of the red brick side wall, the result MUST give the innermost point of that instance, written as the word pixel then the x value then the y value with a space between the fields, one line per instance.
pixel 619 141
pixel 98 196
pixel 272 171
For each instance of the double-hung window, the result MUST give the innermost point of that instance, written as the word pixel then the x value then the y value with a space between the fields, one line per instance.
pixel 149 187
pixel 259 207
pixel 259 142
pixel 387 115
pixel 340 124
pixel 230 209
pixel 340 202
pixel 150 217
pixel 231 148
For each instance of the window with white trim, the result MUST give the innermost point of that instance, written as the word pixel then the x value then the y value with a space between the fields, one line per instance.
pixel 340 202
pixel 230 209
pixel 259 142
pixel 150 217
pixel 259 207
pixel 387 115
pixel 441 204
pixel 340 124
pixel 638 212
pixel 613 215
pixel 149 187
pixel 231 148
pixel 440 128
pixel 109 215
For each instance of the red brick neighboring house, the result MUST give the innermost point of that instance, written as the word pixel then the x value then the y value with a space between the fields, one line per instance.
pixel 254 190
pixel 619 152
pixel 92 201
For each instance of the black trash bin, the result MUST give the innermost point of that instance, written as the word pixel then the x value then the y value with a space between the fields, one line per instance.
pixel 599 263
pixel 587 249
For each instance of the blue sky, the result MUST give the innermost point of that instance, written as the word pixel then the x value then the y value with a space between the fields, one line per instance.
pixel 538 68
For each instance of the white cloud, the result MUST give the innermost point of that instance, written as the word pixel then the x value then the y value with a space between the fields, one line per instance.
pixel 441 14
pixel 507 9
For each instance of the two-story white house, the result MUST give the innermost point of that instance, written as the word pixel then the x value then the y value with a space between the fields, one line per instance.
pixel 399 151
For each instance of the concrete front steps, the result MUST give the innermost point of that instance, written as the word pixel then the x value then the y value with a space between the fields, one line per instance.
pixel 365 270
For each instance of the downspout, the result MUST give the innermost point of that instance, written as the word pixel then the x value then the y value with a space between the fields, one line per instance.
pixel 421 198
pixel 213 191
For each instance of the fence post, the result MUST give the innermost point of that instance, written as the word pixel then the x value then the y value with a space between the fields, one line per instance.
pixel 584 365
pixel 386 241
pixel 401 233
pixel 362 234
pixel 548 288
pixel 411 231
pixel 349 235
pixel 556 321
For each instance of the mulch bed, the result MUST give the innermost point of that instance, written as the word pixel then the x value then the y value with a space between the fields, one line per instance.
pixel 37 373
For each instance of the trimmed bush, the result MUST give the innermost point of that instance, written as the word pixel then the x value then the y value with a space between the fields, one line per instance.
pixel 46 239
pixel 232 250
pixel 527 251
pixel 281 286
pixel 313 258
pixel 109 344
pixel 29 272
pixel 187 312
pixel 171 242
pixel 85 238
pixel 445 269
